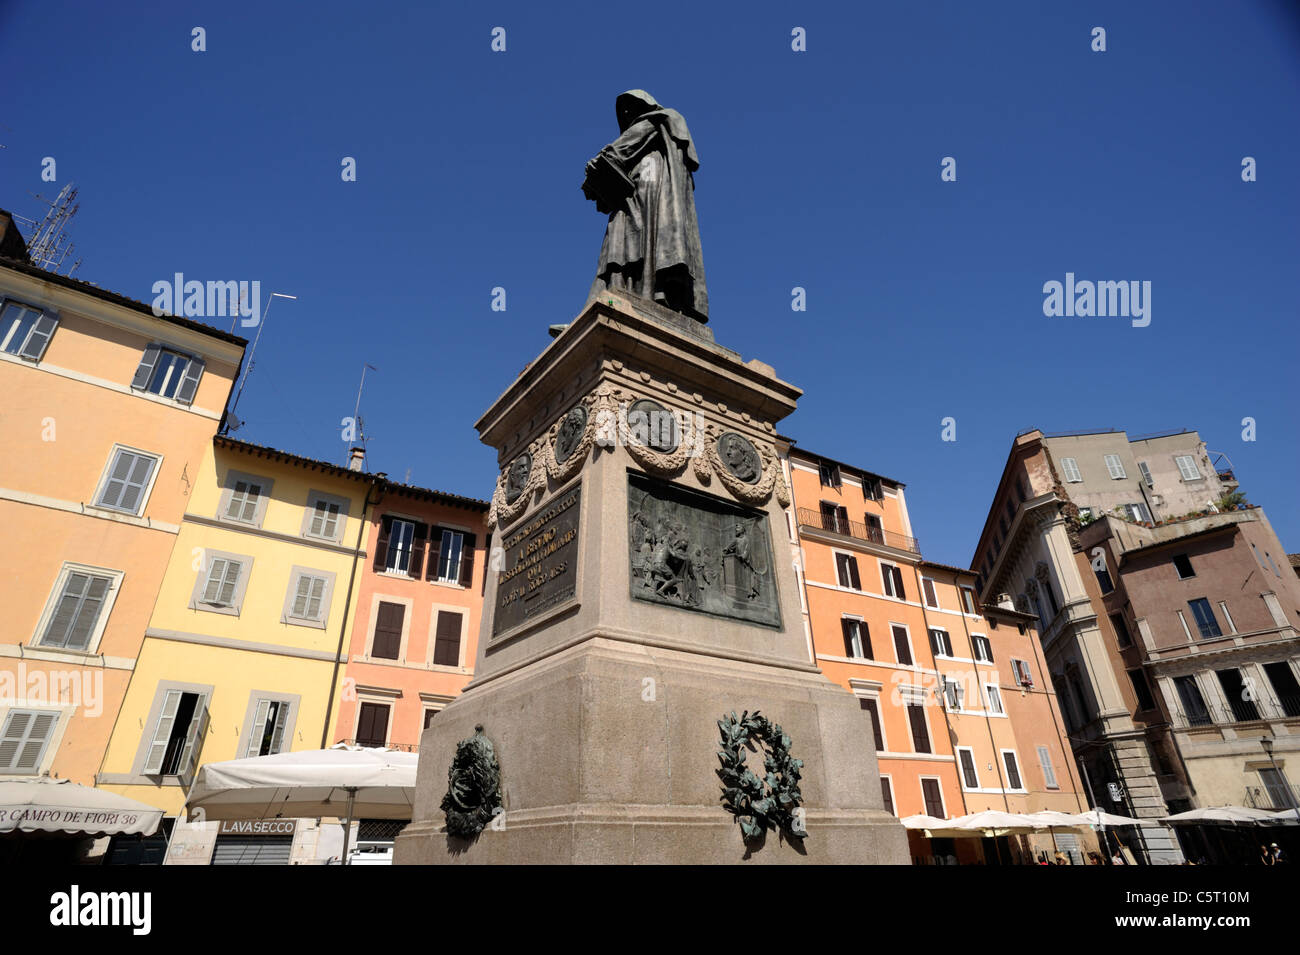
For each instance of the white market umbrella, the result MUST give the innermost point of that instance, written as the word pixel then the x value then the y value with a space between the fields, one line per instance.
pixel 1285 815
pixel 1100 818
pixel 343 782
pixel 1231 815
pixel 1003 823
pixel 1051 819
pixel 60 805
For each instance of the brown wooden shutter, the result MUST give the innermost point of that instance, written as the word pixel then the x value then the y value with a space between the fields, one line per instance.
pixel 446 646
pixel 853 573
pixel 435 552
pixel 933 797
pixel 467 560
pixel 920 735
pixel 388 631
pixel 381 545
pixel 416 566
pixel 846 626
pixel 870 707
pixel 372 724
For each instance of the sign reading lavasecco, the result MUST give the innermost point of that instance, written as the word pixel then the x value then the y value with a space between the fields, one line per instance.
pixel 541 563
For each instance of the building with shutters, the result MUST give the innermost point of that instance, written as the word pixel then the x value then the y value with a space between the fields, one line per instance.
pixel 420 599
pixel 244 653
pixel 963 717
pixel 108 421
pixel 1169 628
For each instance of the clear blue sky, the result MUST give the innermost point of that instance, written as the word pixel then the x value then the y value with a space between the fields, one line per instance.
pixel 818 169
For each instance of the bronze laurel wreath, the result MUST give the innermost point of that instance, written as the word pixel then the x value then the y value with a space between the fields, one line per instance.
pixel 759 804
pixel 473 786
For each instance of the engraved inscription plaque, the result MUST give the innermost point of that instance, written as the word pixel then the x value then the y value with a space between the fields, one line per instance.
pixel 541 563
pixel 700 553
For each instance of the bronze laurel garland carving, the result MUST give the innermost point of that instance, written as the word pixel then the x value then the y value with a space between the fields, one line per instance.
pixel 759 804
pixel 473 786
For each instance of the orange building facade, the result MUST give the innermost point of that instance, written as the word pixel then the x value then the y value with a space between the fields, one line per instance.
pixel 420 598
pixel 963 715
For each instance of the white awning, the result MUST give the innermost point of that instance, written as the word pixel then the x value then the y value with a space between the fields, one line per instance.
pixel 60 805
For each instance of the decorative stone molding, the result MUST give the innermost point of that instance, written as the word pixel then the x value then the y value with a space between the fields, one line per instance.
pixel 502 513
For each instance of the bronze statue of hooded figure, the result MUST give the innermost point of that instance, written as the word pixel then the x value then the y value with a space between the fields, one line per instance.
pixel 652 242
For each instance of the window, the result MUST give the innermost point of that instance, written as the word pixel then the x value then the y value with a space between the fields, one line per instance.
pixel 835 517
pixel 940 642
pixel 954 694
pixel 829 473
pixel 220 587
pixel 244 498
pixel 1142 690
pixel 1187 467
pixel 1280 794
pixel 126 484
pixel 1146 474
pixel 178 734
pixel 931 598
pixel 1122 635
pixel 1285 686
pixel 875 530
pixel 1223 605
pixel 872 707
pixel 1183 565
pixel 267 733
pixel 452 553
pixel 389 621
pixel 1241 699
pixel 1049 773
pixel 1013 770
pixel 1205 619
pixel 372 724
pixel 872 489
pixel 892 579
pixel 857 638
pixel 994 695
pixel 932 795
pixel 25 331
pixel 168 373
pixel 1115 467
pixel 79 610
pixel 308 599
pixel 325 516
pixel 23 740
pixel 887 795
pixel 983 648
pixel 969 777
pixel 446 643
pixel 1071 469
pixel 920 732
pixel 967 600
pixel 1103 576
pixel 1193 703
pixel 902 645
pixel 1020 669
pixel 400 548
pixel 429 714
pixel 847 567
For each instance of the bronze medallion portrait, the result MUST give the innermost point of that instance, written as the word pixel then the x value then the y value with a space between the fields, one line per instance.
pixel 570 434
pixel 652 425
pixel 517 476
pixel 740 457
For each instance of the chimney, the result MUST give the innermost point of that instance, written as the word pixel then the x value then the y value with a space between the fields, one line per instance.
pixel 357 459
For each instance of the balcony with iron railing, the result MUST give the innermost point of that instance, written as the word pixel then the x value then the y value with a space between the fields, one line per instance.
pixel 1238 711
pixel 1274 798
pixel 809 517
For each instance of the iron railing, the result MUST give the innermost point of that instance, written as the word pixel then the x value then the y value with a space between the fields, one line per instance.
pixel 839 525
pixel 1238 711
pixel 1276 797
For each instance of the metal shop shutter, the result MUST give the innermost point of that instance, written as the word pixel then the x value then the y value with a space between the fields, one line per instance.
pixel 252 850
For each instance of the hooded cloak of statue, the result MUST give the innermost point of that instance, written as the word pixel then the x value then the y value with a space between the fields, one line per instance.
pixel 652 243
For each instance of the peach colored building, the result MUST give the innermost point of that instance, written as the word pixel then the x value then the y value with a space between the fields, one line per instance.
pixel 109 413
pixel 420 597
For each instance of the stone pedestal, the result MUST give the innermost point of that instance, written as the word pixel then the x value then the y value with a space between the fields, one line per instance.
pixel 641 587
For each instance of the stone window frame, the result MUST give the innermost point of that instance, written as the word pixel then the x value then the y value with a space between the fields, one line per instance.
pixel 201 580
pixel 434 610
pixel 376 599
pixel 294 700
pixel 231 477
pixel 1020 770
pixel 849 588
pixel 464 531
pixel 205 691
pixel 943 801
pixel 315 496
pixel 975 647
pixel 287 615
pixel 893 643
pixel 989 711
pixel 872 694
pixel 961 770
pixel 106 475
pixel 380 698
pixel 68 568
pixel 934 587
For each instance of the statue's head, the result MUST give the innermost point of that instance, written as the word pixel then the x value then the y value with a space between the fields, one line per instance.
pixel 632 104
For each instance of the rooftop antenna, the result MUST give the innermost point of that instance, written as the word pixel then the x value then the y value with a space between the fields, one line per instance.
pixel 49 245
pixel 356 411
pixel 232 421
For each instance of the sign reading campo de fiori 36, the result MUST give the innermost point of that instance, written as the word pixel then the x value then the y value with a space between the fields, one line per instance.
pixel 541 566
pixel 50 819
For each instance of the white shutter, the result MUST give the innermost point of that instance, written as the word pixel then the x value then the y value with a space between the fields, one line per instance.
pixel 1146 474
pixel 1071 468
pixel 39 337
pixel 1049 774
pixel 258 729
pixel 1187 467
pixel 162 732
pixel 229 583
pixel 144 373
pixel 1114 466
pixel 277 734
pixel 190 383
pixel 91 604
pixel 317 591
pixel 216 571
pixel 23 740
pixel 193 740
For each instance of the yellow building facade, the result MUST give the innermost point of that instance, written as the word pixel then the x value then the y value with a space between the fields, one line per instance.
pixel 244 652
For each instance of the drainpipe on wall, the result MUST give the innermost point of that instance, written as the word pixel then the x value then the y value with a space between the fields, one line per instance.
pixel 961 790
pixel 376 482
